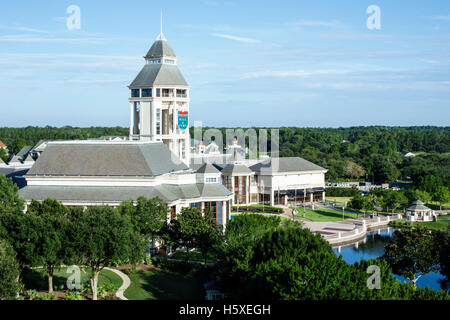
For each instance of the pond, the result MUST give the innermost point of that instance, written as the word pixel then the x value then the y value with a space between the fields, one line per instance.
pixel 373 247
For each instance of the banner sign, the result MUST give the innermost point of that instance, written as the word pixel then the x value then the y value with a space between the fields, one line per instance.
pixel 182 120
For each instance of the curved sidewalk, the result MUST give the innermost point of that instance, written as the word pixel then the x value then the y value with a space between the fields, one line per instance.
pixel 125 283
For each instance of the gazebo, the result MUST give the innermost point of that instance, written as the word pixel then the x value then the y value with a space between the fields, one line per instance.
pixel 417 211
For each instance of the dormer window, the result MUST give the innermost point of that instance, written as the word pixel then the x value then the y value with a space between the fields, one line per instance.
pixel 211 180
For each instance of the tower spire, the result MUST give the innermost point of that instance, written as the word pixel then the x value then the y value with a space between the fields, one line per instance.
pixel 161 35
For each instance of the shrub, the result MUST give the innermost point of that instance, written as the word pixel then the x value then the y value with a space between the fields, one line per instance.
pixel 31 294
pixel 342 192
pixel 49 296
pixel 74 295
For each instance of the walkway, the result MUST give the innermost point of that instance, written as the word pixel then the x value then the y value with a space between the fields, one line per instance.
pixel 342 231
pixel 125 283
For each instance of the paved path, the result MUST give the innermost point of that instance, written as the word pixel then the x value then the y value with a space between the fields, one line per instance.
pixel 125 283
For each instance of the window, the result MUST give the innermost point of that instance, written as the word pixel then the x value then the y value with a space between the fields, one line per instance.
pixel 169 61
pixel 154 61
pixel 197 205
pixel 167 92
pixel 211 180
pixel 158 121
pixel 181 93
pixel 146 92
pixel 158 92
pixel 135 93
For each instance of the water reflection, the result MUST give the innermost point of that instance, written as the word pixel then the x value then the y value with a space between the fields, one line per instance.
pixel 372 246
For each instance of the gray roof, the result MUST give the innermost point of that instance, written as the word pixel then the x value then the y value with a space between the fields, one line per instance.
pixel 28 158
pixel 159 74
pixel 288 164
pixel 106 159
pixel 159 49
pixel 14 159
pixel 207 168
pixel 117 194
pixel 236 169
pixel 24 151
pixel 417 206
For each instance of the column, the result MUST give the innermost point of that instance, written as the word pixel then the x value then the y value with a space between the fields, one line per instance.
pixel 247 190
pixel 232 188
pixel 131 119
pixel 174 119
pixel 272 198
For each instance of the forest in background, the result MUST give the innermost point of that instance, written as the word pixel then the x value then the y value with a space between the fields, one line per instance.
pixel 355 153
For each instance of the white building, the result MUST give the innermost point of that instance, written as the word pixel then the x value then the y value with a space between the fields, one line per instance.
pixel 88 173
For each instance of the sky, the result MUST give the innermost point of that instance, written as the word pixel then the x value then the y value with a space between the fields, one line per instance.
pixel 248 62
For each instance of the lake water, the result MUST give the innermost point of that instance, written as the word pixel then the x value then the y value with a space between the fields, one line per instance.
pixel 373 247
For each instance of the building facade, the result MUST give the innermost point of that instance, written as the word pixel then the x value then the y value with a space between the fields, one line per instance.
pixel 89 173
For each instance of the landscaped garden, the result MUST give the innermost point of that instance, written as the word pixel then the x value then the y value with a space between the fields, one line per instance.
pixel 442 223
pixel 36 285
pixel 324 215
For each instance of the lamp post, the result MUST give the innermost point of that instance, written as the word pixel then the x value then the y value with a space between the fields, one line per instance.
pixel 304 202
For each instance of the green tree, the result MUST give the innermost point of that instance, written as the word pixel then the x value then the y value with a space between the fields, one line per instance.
pixel 441 195
pixel 196 230
pixel 415 194
pixel 393 200
pixel 412 253
pixel 53 245
pixel 9 272
pixel 289 263
pixel 9 196
pixel 147 216
pixel 3 155
pixel 106 238
pixel 16 145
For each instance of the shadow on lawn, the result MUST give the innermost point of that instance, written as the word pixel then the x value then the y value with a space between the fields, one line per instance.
pixel 167 285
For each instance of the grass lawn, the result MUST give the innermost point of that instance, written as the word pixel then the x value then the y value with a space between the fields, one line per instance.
pixel 435 205
pixel 441 224
pixel 324 215
pixel 37 279
pixel 194 256
pixel 341 200
pixel 164 285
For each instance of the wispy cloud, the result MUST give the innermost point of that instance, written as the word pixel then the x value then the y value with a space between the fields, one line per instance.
pixel 26 29
pixel 292 73
pixel 235 38
pixel 316 23
pixel 444 17
pixel 28 38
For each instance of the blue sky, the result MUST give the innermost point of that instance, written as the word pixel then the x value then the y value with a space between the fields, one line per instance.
pixel 249 63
